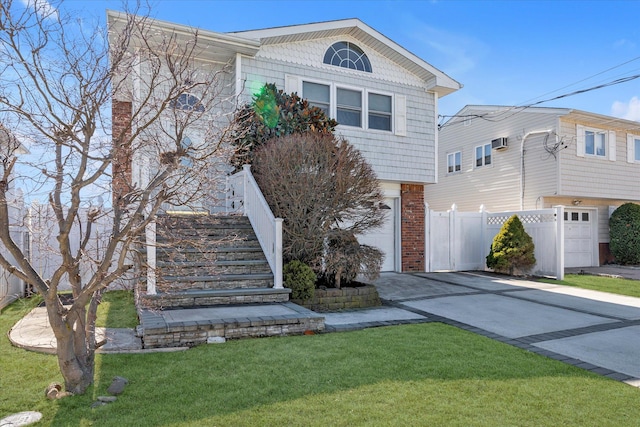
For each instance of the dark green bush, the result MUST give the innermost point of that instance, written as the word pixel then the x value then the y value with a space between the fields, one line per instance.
pixel 624 234
pixel 300 278
pixel 512 248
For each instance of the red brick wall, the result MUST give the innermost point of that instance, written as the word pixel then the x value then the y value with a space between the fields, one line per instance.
pixel 121 135
pixel 412 227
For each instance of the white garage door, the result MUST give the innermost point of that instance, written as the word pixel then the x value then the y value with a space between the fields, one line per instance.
pixel 384 238
pixel 579 238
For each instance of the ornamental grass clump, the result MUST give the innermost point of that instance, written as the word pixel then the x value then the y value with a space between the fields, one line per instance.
pixel 512 249
pixel 624 234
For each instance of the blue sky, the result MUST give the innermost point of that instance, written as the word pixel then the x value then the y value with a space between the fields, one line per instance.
pixel 503 52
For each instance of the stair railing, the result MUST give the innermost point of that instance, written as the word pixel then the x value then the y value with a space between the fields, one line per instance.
pixel 244 196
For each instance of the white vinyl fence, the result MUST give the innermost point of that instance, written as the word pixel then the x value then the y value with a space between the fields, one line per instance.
pixel 459 241
pixel 34 230
pixel 12 288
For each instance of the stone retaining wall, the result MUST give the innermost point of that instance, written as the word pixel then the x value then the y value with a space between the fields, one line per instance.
pixel 332 299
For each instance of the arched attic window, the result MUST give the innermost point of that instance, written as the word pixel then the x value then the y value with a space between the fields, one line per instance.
pixel 188 102
pixel 347 55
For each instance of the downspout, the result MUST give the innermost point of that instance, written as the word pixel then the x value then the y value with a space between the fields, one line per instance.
pixel 527 135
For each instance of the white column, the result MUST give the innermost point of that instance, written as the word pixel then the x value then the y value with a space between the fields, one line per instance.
pixel 277 274
pixel 150 234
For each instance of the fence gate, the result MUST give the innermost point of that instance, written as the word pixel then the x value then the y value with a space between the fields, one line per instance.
pixel 459 241
pixel 439 241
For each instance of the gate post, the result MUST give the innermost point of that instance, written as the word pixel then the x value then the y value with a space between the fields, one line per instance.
pixel 483 237
pixel 559 242
pixel 427 238
pixel 453 237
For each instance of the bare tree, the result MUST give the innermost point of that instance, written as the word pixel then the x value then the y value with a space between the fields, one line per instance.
pixel 327 194
pixel 60 83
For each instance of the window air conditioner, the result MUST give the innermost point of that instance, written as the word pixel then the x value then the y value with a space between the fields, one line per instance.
pixel 499 143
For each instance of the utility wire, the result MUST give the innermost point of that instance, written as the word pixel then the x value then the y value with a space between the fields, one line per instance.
pixel 521 108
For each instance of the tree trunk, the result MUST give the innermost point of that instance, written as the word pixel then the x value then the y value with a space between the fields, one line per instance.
pixel 75 358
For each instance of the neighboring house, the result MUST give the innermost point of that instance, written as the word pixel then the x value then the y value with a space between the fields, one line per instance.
pixel 384 98
pixel 510 158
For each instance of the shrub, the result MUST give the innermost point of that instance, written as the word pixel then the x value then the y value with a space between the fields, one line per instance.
pixel 624 234
pixel 271 114
pixel 300 278
pixel 512 248
pixel 346 258
pixel 320 186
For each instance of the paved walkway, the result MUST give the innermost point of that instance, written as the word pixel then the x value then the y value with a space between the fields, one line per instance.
pixel 596 331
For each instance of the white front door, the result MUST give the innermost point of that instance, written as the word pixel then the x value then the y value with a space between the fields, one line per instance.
pixel 580 238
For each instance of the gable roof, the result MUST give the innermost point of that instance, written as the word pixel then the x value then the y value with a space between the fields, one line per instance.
pixel 443 84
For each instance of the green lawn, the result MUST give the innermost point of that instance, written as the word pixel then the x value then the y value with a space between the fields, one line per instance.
pixel 117 310
pixel 600 283
pixel 428 374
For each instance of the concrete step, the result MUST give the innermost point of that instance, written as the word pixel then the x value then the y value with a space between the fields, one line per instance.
pixel 217 282
pixel 186 298
pixel 211 268
pixel 196 326
pixel 212 254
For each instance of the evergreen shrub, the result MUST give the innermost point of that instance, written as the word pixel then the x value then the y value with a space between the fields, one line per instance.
pixel 300 278
pixel 512 249
pixel 624 234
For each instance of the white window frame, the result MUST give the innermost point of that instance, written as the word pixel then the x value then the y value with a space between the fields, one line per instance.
pixel 457 165
pixel 396 128
pixel 318 82
pixel 475 156
pixel 334 103
pixel 633 148
pixel 609 143
pixel 392 118
pixel 597 135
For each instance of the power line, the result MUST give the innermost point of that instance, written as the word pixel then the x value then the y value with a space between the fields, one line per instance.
pixel 565 95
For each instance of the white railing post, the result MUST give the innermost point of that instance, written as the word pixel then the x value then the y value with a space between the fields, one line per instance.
pixel 277 274
pixel 149 230
pixel 246 169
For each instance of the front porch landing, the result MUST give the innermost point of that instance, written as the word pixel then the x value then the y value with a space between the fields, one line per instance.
pixel 187 327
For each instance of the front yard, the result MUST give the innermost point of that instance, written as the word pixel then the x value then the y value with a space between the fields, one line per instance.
pixel 599 283
pixel 427 374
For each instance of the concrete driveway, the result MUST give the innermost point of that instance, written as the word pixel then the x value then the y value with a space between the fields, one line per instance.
pixel 596 331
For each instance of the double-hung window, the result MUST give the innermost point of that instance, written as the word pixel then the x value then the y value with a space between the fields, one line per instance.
pixel 379 112
pixel 595 143
pixel 318 95
pixel 454 162
pixel 483 155
pixel 349 107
